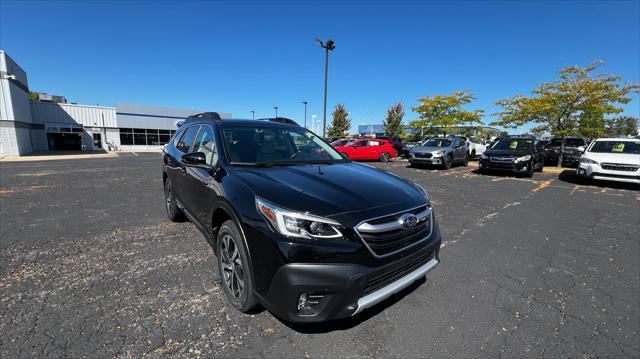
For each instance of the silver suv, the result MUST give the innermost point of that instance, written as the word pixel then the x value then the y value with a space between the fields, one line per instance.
pixel 441 151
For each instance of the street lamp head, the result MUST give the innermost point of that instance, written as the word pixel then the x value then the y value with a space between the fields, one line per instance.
pixel 305 102
pixel 320 42
pixel 331 45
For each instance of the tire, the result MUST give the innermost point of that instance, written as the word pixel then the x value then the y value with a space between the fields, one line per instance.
pixel 541 167
pixel 173 212
pixel 236 276
pixel 448 162
pixel 473 154
pixel 385 157
pixel 465 162
pixel 529 172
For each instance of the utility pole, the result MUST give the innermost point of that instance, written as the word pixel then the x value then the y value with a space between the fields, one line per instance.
pixel 276 108
pixel 305 113
pixel 253 115
pixel 329 46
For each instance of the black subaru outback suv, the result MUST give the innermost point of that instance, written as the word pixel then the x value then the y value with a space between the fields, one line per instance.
pixel 295 226
pixel 518 154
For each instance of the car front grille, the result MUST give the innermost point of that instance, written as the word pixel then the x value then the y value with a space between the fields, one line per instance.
pixel 382 280
pixel 501 159
pixel 422 155
pixel 384 236
pixel 619 167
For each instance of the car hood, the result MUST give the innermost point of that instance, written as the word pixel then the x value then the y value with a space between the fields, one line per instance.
pixel 507 153
pixel 422 149
pixel 624 158
pixel 329 190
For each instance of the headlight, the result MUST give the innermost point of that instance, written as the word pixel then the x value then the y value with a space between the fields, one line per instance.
pixel 484 157
pixel 437 153
pixel 589 161
pixel 523 158
pixel 295 224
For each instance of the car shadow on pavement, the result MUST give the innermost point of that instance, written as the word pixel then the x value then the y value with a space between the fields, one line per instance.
pixel 494 173
pixel 351 322
pixel 570 176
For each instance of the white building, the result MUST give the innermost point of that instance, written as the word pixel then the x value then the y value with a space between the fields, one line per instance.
pixel 27 126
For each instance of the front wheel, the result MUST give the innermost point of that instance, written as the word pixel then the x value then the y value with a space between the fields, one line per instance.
pixel 173 212
pixel 234 269
pixel 385 157
pixel 447 161
pixel 530 170
pixel 541 167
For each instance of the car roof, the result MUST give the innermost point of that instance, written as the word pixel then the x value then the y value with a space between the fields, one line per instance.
pixel 616 139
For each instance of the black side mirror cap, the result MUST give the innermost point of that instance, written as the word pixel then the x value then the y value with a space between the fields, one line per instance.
pixel 195 159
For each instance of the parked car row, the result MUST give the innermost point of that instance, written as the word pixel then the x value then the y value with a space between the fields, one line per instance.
pixel 611 159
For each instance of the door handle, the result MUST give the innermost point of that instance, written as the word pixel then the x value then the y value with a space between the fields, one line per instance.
pixel 183 170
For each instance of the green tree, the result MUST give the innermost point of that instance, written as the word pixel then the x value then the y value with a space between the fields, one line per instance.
pixel 445 113
pixel 621 126
pixel 340 124
pixel 33 96
pixel 591 124
pixel 393 122
pixel 558 106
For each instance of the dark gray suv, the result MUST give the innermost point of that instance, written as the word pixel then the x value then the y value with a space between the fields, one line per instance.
pixel 441 151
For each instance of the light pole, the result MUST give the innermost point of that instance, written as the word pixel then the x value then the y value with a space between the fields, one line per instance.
pixel 329 46
pixel 276 108
pixel 253 115
pixel 305 113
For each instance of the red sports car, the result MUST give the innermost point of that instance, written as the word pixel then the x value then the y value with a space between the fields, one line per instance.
pixel 368 149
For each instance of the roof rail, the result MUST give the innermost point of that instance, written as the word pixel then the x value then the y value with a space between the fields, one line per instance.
pixel 205 116
pixel 286 121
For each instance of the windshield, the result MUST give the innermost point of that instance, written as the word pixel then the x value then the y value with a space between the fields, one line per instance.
pixel 437 142
pixel 629 147
pixel 267 145
pixel 568 142
pixel 513 144
pixel 339 143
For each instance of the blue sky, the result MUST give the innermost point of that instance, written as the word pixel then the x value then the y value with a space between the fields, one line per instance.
pixel 243 56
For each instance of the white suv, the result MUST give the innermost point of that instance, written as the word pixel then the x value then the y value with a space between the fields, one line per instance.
pixel 611 159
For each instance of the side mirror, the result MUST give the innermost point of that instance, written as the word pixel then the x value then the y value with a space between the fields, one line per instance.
pixel 194 159
pixel 582 149
pixel 344 155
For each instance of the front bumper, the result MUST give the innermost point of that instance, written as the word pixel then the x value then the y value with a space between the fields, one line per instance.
pixel 341 290
pixel 517 167
pixel 594 171
pixel 426 161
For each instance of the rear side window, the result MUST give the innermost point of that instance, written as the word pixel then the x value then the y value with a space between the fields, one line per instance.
pixel 184 144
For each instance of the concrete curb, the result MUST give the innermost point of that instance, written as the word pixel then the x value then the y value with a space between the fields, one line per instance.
pixel 58 157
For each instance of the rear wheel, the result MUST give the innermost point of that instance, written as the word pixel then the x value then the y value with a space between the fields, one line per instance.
pixel 173 212
pixel 235 272
pixel 466 161
pixel 541 167
pixel 385 157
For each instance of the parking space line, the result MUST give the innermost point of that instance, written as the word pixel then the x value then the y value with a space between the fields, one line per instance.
pixel 542 185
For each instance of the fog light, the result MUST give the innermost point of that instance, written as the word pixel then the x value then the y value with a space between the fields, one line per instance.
pixel 309 303
pixel 302 301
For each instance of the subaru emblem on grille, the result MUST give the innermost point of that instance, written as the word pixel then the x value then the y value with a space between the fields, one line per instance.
pixel 408 220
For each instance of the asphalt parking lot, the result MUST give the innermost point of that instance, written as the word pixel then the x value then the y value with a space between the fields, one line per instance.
pixel 90 266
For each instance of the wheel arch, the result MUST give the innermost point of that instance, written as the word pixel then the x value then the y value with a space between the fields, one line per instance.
pixel 221 213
